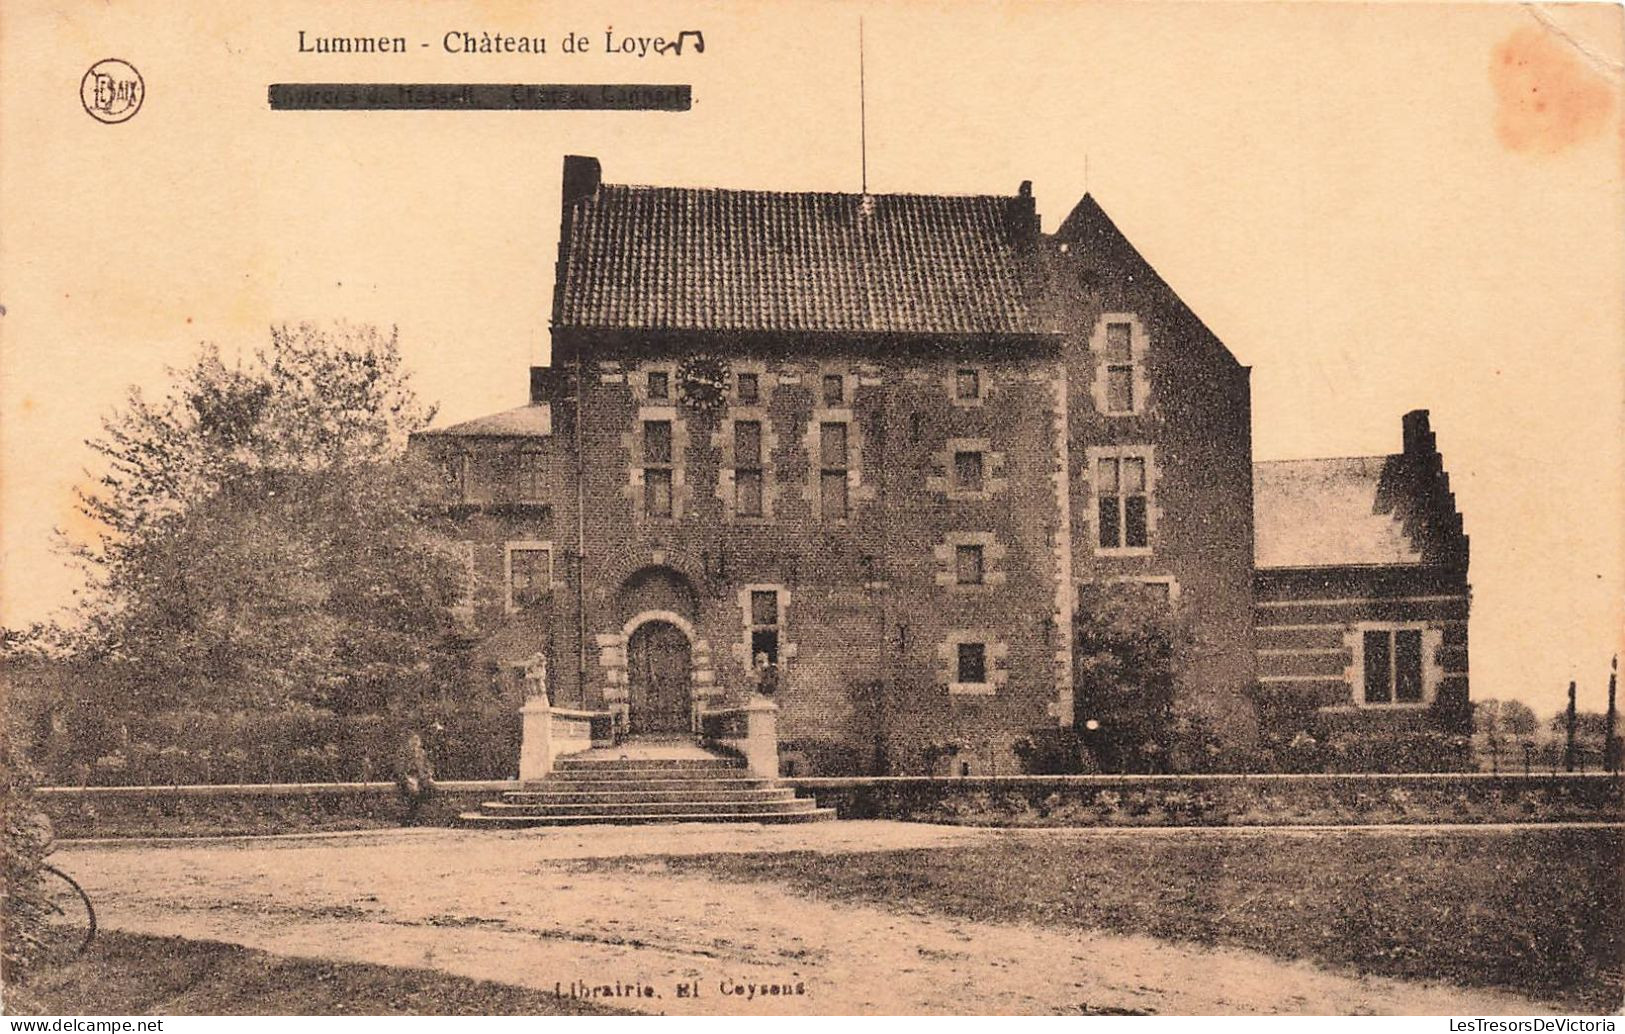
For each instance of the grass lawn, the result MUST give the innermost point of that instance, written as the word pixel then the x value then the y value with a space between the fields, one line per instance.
pixel 135 975
pixel 1536 912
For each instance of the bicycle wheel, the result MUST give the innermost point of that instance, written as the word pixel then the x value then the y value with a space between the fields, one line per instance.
pixel 70 919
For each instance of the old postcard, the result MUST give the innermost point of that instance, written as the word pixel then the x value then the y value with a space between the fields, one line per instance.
pixel 736 509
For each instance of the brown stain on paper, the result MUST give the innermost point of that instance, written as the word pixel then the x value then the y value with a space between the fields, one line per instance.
pixel 1548 98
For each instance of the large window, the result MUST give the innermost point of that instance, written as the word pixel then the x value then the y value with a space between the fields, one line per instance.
pixel 657 468
pixel 1122 502
pixel 1393 666
pixel 832 452
pixel 748 468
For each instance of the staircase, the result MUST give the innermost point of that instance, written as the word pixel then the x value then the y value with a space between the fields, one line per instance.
pixel 601 787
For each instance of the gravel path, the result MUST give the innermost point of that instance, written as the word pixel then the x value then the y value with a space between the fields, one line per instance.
pixel 507 907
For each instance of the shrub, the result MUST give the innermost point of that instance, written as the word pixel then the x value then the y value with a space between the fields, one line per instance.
pixel 24 842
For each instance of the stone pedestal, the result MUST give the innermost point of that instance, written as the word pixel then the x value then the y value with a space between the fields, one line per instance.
pixel 536 739
pixel 761 746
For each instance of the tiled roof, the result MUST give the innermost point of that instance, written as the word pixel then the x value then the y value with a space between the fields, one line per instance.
pixel 667 258
pixel 1328 512
pixel 524 422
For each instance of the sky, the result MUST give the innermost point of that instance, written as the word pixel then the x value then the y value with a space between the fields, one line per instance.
pixel 1377 207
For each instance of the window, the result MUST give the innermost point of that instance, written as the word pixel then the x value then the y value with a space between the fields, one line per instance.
pixel 968 471
pixel 834 389
pixel 748 468
pixel 659 384
pixel 657 468
pixel 747 388
pixel 530 576
pixel 968 384
pixel 972 666
pixel 1120 492
pixel 532 474
pixel 968 565
pixel 764 627
pixel 1393 666
pixel 832 470
pixel 1119 368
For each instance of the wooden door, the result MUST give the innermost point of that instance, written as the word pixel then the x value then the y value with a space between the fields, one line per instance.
pixel 658 672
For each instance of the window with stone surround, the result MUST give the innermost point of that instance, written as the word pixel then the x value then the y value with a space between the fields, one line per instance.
pixel 967 469
pixel 970 561
pixel 1122 483
pixel 1392 666
pixel 748 479
pixel 659 385
pixel 764 627
pixel 969 466
pixel 528 570
pixel 1121 385
pixel 832 469
pixel 764 649
pixel 834 389
pixel 968 564
pixel 657 468
pixel 967 383
pixel 747 387
pixel 973 662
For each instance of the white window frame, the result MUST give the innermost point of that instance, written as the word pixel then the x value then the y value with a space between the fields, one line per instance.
pixel 1432 639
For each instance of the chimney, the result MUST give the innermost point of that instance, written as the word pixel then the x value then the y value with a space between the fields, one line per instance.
pixel 1026 189
pixel 1418 436
pixel 538 385
pixel 581 178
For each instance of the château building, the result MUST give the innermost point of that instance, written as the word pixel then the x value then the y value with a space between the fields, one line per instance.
pixel 855 454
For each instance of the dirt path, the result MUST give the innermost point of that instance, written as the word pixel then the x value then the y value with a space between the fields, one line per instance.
pixel 507 907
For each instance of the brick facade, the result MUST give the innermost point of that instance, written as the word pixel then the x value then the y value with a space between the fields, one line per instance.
pixel 892 470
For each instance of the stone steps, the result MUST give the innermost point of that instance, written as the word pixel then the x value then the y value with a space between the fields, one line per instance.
pixel 641 790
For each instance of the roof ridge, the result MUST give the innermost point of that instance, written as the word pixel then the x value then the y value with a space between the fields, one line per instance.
pixel 812 193
pixel 1329 459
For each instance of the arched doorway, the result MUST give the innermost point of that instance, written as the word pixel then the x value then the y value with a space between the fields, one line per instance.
pixel 659 674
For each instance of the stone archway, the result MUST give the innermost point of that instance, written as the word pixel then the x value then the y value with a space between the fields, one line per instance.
pixel 659 667
pixel 616 649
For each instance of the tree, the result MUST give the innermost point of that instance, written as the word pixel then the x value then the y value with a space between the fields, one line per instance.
pixel 263 542
pixel 1518 719
pixel 1126 644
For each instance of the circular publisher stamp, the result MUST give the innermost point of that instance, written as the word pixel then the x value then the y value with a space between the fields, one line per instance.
pixel 112 91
